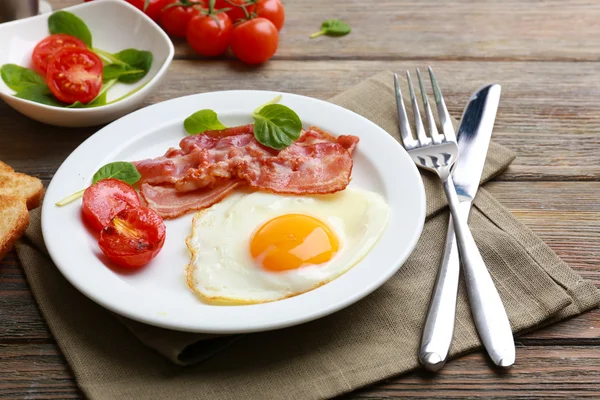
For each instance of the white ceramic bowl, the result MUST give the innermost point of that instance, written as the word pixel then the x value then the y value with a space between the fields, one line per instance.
pixel 115 26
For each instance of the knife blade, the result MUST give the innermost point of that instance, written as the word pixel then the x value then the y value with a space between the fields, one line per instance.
pixel 474 135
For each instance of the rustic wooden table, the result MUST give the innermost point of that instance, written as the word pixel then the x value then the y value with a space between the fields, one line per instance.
pixel 545 53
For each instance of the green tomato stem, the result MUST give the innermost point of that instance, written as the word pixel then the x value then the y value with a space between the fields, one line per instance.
pixel 317 34
pixel 70 198
pixel 131 72
pixel 105 88
pixel 274 100
pixel 128 94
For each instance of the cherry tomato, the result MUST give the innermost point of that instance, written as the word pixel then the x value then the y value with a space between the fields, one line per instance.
pixel 154 7
pixel 271 10
pixel 105 199
pixel 49 46
pixel 207 37
pixel 175 19
pixel 74 74
pixel 254 41
pixel 133 237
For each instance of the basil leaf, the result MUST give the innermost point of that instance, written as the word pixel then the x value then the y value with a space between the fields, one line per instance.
pixel 39 94
pixel 129 65
pixel 202 121
pixel 70 24
pixel 276 126
pixel 121 170
pixel 332 27
pixel 18 78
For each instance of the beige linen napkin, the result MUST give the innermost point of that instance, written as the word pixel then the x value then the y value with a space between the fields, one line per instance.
pixel 378 337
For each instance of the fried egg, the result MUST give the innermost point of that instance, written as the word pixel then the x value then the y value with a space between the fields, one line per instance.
pixel 259 247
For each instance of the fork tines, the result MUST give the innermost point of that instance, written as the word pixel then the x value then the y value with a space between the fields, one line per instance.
pixel 434 136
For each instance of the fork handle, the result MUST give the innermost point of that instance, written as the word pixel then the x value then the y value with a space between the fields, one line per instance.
pixel 488 311
pixel 439 323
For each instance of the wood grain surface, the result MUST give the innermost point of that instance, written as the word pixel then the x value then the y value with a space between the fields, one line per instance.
pixel 545 54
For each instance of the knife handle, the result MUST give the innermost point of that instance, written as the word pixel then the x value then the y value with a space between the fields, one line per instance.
pixel 439 324
pixel 488 311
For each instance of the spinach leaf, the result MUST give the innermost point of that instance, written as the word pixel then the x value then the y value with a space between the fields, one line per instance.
pixel 121 170
pixel 129 65
pixel 70 24
pixel 276 126
pixel 332 27
pixel 40 94
pixel 201 121
pixel 18 78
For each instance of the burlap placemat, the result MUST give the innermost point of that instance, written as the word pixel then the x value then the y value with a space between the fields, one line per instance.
pixel 378 337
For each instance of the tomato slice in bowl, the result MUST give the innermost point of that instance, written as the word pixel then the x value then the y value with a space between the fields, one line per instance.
pixel 105 199
pixel 74 74
pixel 133 237
pixel 45 50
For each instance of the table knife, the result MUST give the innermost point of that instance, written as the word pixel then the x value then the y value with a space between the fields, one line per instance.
pixel 490 317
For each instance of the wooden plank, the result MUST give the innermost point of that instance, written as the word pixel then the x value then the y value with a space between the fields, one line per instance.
pixel 38 370
pixel 549 113
pixel 426 29
pixel 549 372
pixel 20 316
pixel 35 371
pixel 565 215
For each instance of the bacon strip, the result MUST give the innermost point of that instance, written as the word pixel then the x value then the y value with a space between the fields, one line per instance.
pixel 318 168
pixel 169 203
pixel 194 174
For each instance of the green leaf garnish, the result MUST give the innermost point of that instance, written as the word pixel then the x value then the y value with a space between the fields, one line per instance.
pixel 332 27
pixel 276 126
pixel 40 94
pixel 129 65
pixel 202 121
pixel 18 78
pixel 70 24
pixel 121 170
pixel 28 84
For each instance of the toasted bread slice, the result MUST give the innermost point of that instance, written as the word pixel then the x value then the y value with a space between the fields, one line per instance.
pixel 5 167
pixel 14 219
pixel 21 185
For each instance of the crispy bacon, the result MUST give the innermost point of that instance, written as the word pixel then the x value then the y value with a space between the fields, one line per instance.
pixel 169 203
pixel 319 168
pixel 317 162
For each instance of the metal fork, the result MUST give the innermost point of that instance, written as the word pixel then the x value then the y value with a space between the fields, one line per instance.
pixel 438 153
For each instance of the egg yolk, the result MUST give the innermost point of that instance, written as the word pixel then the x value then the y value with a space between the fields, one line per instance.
pixel 291 241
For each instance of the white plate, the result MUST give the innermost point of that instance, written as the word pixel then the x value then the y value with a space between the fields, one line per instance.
pixel 158 294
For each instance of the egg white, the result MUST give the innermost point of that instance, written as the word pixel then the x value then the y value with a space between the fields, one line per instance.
pixel 222 269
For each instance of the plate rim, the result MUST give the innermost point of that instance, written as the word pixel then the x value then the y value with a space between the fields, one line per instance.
pixel 315 314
